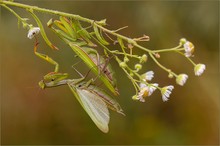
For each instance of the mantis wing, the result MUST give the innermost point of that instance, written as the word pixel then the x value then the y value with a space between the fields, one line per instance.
pixel 96 109
pixel 94 106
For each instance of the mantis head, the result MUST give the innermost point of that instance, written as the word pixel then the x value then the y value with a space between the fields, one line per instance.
pixel 52 79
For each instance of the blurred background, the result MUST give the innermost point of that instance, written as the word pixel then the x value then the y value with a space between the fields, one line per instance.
pixel 53 116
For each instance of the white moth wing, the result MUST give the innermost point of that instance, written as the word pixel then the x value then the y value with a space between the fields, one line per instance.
pixel 96 109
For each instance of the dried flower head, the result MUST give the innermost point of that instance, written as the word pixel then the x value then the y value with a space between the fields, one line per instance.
pixel 189 49
pixel 32 32
pixel 143 58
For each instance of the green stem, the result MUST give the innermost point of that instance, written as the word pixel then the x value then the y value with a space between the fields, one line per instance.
pixel 13 12
pixel 47 11
pixel 170 49
pixel 190 60
pixel 121 53
pixel 160 65
pixel 136 86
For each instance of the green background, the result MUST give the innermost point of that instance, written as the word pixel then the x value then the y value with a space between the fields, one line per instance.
pixel 53 116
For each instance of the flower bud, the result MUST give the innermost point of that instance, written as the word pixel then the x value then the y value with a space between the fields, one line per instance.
pixel 183 41
pixel 126 59
pixel 135 97
pixel 131 74
pixel 25 25
pixel 143 58
pixel 123 64
pixel 170 75
pixel 138 66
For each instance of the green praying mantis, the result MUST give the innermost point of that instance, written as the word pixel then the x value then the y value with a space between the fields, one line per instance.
pixel 94 100
pixel 78 38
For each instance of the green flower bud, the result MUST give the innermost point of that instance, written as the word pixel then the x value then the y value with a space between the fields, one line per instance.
pixel 135 97
pixel 183 41
pixel 143 58
pixel 131 74
pixel 126 59
pixel 25 25
pixel 170 75
pixel 123 64
pixel 138 66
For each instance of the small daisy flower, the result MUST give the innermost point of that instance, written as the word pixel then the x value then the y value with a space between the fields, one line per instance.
pixel 181 79
pixel 32 32
pixel 189 49
pixel 166 91
pixel 148 76
pixel 199 69
pixel 146 90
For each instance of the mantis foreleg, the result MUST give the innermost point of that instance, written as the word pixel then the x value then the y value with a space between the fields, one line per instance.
pixel 46 58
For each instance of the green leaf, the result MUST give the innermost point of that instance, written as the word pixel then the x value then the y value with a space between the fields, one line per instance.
pixel 91 64
pixel 83 33
pixel 68 27
pixel 99 36
pixel 42 31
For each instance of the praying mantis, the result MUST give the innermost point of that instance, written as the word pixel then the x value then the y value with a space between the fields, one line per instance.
pixel 94 100
pixel 78 39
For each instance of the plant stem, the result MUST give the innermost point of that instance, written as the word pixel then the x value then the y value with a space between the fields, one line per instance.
pixel 170 49
pixel 47 11
pixel 13 12
pixel 161 66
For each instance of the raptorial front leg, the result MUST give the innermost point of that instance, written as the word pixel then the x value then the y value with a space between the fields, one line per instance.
pixel 46 58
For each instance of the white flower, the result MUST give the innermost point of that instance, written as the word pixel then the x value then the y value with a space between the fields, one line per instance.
pixel 189 49
pixel 166 91
pixel 148 76
pixel 152 88
pixel 146 90
pixel 32 32
pixel 199 69
pixel 181 79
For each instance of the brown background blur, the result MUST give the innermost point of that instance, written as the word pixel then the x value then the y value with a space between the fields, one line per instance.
pixel 53 116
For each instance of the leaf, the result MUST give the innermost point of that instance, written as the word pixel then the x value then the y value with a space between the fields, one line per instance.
pixel 68 27
pixel 63 35
pixel 120 41
pixel 83 33
pixel 91 64
pixel 99 36
pixel 61 26
pixel 42 31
